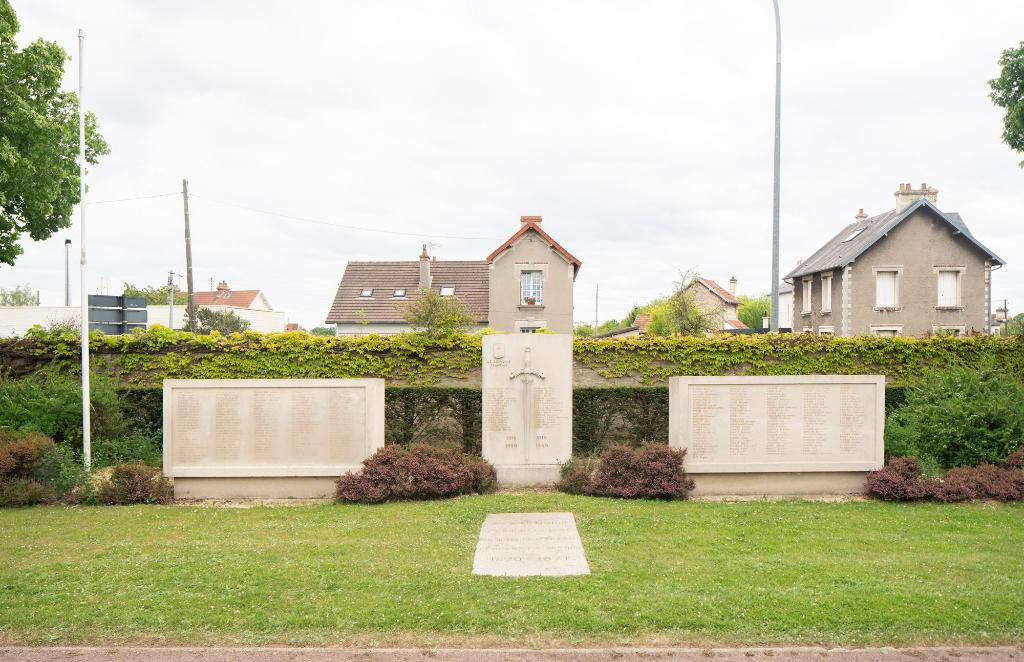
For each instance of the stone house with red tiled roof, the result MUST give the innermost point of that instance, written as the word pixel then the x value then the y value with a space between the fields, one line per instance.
pixel 716 301
pixel 524 285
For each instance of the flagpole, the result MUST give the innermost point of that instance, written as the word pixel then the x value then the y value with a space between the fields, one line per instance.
pixel 86 422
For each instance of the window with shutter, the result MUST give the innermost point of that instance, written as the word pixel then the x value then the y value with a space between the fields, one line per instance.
pixel 885 289
pixel 949 289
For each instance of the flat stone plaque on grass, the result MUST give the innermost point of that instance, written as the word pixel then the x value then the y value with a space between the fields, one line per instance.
pixel 530 545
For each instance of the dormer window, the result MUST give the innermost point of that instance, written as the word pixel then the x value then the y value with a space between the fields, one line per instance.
pixel 399 292
pixel 447 290
pixel 366 292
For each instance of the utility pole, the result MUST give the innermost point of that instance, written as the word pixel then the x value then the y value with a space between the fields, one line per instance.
pixel 778 153
pixel 191 309
pixel 86 418
pixel 597 287
pixel 67 272
pixel 170 299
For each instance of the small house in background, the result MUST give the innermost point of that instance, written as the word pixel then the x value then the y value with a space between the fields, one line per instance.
pixel 911 271
pixel 524 285
pixel 785 306
pixel 717 302
pixel 225 296
pixel 635 330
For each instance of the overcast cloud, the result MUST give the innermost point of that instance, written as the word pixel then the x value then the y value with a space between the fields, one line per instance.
pixel 641 131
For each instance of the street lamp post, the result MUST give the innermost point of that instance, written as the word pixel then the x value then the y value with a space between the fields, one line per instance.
pixel 775 192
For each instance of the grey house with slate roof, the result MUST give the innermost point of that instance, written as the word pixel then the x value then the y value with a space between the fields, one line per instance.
pixel 911 271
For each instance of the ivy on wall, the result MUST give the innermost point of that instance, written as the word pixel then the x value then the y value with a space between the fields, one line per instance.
pixel 903 360
pixel 146 358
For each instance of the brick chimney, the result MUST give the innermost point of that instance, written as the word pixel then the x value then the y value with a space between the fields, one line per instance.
pixel 529 219
pixel 732 286
pixel 860 216
pixel 908 194
pixel 424 269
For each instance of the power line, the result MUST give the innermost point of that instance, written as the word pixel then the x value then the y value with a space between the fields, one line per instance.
pixel 141 197
pixel 318 221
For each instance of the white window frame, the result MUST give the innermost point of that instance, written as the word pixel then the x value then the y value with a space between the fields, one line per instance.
pixel 400 293
pixel 961 329
pixel 875 328
pixel 826 293
pixel 826 331
pixel 959 287
pixel 530 324
pixel 366 293
pixel 898 270
pixel 807 297
pixel 450 290
pixel 534 289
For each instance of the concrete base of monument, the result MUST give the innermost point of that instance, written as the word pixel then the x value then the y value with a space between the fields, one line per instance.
pixel 261 487
pixel 528 475
pixel 806 483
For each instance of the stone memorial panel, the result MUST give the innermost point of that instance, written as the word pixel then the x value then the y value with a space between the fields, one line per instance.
pixel 268 437
pixel 807 423
pixel 530 544
pixel 527 405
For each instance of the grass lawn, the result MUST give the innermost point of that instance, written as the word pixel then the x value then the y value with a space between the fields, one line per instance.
pixel 668 573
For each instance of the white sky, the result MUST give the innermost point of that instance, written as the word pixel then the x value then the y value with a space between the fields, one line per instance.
pixel 641 131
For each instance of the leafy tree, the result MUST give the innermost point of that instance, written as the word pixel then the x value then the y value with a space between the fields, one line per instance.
pixel 20 295
pixel 1008 93
pixel 39 183
pixel 583 330
pixel 680 314
pixel 436 316
pixel 155 296
pixel 223 322
pixel 1014 326
pixel 324 331
pixel 753 310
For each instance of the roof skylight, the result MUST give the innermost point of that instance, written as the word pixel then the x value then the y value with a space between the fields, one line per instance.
pixel 853 235
pixel 366 292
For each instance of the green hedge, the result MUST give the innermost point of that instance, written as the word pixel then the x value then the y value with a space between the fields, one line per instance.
pixel 146 358
pixel 451 415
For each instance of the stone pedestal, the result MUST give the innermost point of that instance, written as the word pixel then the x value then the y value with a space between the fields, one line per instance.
pixel 785 435
pixel 268 438
pixel 527 406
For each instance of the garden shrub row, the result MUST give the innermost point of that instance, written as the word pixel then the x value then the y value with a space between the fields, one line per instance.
pixel 35 469
pixel 146 358
pixel 902 480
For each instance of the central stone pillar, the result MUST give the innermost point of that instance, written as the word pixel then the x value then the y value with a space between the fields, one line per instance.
pixel 527 406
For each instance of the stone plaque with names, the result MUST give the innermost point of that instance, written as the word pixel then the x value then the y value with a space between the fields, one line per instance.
pixel 530 544
pixel 237 428
pixel 527 405
pixel 830 423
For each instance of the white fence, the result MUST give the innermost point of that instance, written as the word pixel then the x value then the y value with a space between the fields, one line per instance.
pixel 16 320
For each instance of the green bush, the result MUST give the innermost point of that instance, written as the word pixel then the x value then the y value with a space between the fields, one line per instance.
pixel 34 469
pixel 52 405
pixel 957 417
